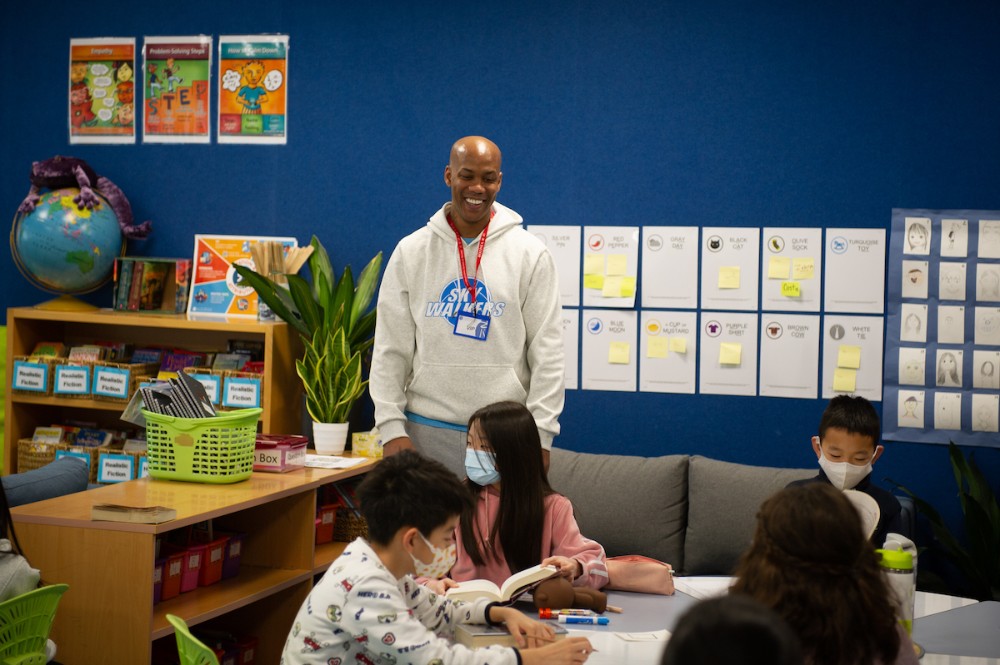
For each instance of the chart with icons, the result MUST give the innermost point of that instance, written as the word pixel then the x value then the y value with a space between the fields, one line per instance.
pixel 942 358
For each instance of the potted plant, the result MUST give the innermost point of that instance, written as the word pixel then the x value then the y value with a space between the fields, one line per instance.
pixel 336 321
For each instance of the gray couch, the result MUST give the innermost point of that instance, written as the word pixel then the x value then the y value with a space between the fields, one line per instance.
pixel 693 512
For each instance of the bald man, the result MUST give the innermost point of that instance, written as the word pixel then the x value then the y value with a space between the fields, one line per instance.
pixel 468 315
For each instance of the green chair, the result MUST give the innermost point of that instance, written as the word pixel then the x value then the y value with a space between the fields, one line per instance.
pixel 191 650
pixel 25 622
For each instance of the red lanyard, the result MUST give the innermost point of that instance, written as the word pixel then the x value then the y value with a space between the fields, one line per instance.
pixel 461 256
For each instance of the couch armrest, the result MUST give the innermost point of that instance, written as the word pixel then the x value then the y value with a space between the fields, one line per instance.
pixel 63 476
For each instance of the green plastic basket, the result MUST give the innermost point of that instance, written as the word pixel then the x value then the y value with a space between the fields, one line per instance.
pixel 25 622
pixel 202 450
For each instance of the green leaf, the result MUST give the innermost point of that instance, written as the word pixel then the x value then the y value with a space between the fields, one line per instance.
pixel 267 291
pixel 319 265
pixel 365 291
pixel 302 295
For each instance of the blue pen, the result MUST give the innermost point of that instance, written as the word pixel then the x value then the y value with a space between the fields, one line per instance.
pixel 601 621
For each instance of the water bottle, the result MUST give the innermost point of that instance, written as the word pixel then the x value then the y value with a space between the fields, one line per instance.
pixel 901 576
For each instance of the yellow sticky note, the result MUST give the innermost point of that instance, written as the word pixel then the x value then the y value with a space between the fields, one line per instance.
pixel 628 286
pixel 791 289
pixel 730 353
pixel 593 264
pixel 778 267
pixel 593 281
pixel 656 347
pixel 845 380
pixel 803 268
pixel 617 264
pixel 729 277
pixel 679 344
pixel 849 357
pixel 612 286
pixel 618 353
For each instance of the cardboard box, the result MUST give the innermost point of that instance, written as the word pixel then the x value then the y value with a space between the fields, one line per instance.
pixel 278 453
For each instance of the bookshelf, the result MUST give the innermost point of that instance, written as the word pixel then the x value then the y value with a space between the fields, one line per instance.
pixel 281 392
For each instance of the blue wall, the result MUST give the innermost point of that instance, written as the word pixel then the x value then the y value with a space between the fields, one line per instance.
pixel 705 112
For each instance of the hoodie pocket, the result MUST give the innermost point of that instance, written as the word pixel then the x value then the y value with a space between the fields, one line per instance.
pixel 457 382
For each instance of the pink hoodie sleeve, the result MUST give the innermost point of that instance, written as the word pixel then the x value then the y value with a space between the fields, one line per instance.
pixel 563 535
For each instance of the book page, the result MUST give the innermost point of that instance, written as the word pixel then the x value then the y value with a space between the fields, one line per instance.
pixel 526 578
pixel 475 589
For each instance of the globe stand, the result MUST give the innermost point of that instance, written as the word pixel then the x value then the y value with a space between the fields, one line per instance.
pixel 66 303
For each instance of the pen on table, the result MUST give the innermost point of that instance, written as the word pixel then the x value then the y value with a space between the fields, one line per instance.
pixel 600 621
pixel 614 608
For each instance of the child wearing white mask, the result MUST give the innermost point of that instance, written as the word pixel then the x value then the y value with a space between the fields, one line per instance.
pixel 847 447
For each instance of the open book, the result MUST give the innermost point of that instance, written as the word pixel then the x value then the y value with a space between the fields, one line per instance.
pixel 512 587
pixel 475 636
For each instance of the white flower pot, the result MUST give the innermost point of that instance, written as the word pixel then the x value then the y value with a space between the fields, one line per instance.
pixel 330 438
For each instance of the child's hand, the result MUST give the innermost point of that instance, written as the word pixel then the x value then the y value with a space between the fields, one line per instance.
pixel 568 568
pixel 441 586
pixel 563 652
pixel 527 632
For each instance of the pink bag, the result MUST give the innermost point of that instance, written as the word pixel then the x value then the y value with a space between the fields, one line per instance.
pixel 633 572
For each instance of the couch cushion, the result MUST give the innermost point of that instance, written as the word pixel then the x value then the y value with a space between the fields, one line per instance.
pixel 723 499
pixel 63 476
pixel 630 505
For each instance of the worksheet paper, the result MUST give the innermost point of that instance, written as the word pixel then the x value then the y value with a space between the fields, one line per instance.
pixel 791 265
pixel 728 354
pixel 852 356
pixel 730 267
pixel 563 242
pixel 789 355
pixel 571 347
pixel 668 346
pixel 855 271
pixel 610 266
pixel 670 267
pixel 609 349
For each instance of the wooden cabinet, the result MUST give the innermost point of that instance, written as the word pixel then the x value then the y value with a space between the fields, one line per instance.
pixel 281 393
pixel 108 616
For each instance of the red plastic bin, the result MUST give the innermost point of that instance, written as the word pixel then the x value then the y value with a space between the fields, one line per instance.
pixel 211 565
pixel 248 649
pixel 193 555
pixel 325 518
pixel 173 568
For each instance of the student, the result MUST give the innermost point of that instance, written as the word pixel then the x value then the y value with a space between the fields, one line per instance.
pixel 518 521
pixel 732 630
pixel 810 562
pixel 368 608
pixel 847 447
pixel 17 577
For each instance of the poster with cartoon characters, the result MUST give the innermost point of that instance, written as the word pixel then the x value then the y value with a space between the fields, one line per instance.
pixel 253 83
pixel 176 75
pixel 942 360
pixel 216 287
pixel 102 90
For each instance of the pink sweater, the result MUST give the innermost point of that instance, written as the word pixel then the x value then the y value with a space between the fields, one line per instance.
pixel 560 537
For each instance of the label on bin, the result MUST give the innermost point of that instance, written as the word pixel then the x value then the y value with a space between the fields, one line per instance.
pixel 242 392
pixel 70 380
pixel 211 383
pixel 112 468
pixel 31 376
pixel 73 453
pixel 111 381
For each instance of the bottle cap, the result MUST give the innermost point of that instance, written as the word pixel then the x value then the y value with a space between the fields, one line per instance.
pixel 895 559
pixel 545 613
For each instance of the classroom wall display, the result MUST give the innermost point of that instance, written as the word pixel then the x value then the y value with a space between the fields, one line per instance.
pixel 852 355
pixel 563 242
pixel 728 356
pixel 942 357
pixel 609 350
pixel 670 267
pixel 789 355
pixel 855 271
pixel 668 348
pixel 791 263
pixel 253 89
pixel 176 80
pixel 610 266
pixel 730 266
pixel 102 90
pixel 571 347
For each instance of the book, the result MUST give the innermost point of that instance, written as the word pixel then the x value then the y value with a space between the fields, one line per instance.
pixel 49 349
pixel 146 355
pixel 112 512
pixel 47 434
pixel 232 361
pixel 87 353
pixel 92 438
pixel 475 635
pixel 154 281
pixel 512 587
pixel 135 287
pixel 123 284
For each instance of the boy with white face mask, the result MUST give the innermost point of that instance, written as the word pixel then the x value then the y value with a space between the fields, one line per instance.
pixel 847 447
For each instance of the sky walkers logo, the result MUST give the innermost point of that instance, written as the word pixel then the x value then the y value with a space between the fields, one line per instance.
pixel 455 299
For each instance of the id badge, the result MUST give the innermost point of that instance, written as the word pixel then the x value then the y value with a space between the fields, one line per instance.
pixel 470 325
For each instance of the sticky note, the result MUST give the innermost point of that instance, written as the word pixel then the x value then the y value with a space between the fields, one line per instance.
pixel 791 289
pixel 593 281
pixel 778 267
pixel 656 347
pixel 612 286
pixel 730 353
pixel 617 264
pixel 679 344
pixel 729 277
pixel 845 380
pixel 593 264
pixel 849 357
pixel 628 286
pixel 803 268
pixel 618 353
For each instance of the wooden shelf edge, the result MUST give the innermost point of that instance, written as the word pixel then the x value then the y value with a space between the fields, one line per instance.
pixel 67 402
pixel 326 554
pixel 206 603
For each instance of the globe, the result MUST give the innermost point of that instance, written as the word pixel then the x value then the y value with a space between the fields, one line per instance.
pixel 62 249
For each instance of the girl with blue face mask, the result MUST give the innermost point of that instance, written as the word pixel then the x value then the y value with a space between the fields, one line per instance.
pixel 518 520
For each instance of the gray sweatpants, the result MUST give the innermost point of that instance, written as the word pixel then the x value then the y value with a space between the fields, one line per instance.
pixel 444 445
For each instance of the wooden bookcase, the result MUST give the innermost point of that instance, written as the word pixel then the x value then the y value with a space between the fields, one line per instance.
pixel 108 616
pixel 281 394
